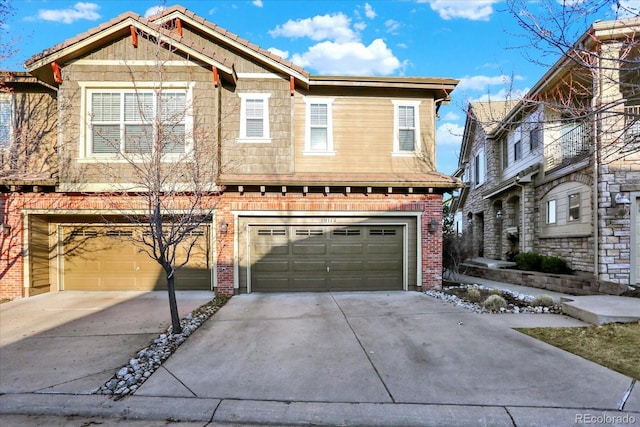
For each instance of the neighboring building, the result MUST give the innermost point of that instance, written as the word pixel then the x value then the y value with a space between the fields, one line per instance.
pixel 558 173
pixel 323 183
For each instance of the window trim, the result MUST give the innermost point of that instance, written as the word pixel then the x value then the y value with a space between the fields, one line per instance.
pixel 552 207
pixel 85 155
pixel 8 100
pixel 396 128
pixel 517 150
pixel 479 168
pixel 569 218
pixel 243 138
pixel 308 151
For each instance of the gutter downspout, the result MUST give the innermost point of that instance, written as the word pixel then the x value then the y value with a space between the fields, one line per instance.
pixel 523 237
pixel 596 150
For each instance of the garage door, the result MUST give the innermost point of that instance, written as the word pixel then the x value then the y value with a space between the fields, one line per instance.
pixel 323 258
pixel 105 258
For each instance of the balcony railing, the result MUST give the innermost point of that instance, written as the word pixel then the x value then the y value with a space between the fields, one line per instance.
pixel 631 128
pixel 571 146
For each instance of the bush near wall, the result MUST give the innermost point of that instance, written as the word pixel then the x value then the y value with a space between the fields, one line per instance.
pixel 532 261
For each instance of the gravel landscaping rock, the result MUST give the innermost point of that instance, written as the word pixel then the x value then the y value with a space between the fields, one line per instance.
pixel 521 303
pixel 130 377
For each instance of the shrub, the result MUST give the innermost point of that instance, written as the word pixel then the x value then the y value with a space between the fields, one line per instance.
pixel 495 291
pixel 494 303
pixel 529 261
pixel 543 301
pixel 473 294
pixel 553 264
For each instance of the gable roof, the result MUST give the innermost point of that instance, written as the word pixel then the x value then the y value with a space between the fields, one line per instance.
pixel 487 115
pixel 232 40
pixel 39 64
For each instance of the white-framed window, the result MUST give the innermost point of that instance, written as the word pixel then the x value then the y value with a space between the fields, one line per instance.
pixel 574 207
pixel 5 121
pixel 406 127
pixel 318 138
pixel 479 168
pixel 517 150
pixel 551 211
pixel 254 117
pixel 137 121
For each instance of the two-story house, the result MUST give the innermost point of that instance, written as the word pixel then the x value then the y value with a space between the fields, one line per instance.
pixel 318 182
pixel 559 172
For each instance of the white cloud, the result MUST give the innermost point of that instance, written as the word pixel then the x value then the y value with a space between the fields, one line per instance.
pixel 257 3
pixel 392 26
pixel 153 10
pixel 80 10
pixel 502 95
pixel 281 53
pixel 481 83
pixel 351 58
pixel 334 27
pixel 451 116
pixel 368 11
pixel 449 134
pixel 477 10
pixel 359 26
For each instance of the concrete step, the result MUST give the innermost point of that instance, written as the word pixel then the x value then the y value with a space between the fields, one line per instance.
pixel 602 309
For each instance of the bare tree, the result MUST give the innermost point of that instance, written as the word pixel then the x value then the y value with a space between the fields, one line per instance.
pixel 165 168
pixel 556 29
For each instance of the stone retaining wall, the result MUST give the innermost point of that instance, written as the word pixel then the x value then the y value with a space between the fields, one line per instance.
pixel 565 283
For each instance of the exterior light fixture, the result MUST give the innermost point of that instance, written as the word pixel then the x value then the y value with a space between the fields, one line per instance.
pixel 5 229
pixel 433 225
pixel 223 226
pixel 499 214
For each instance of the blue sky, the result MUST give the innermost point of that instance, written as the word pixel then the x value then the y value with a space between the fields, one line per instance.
pixel 471 40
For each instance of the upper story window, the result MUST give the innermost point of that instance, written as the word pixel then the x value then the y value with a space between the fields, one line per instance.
pixel 535 139
pixel 254 117
pixel 479 168
pixel 517 150
pixel 137 121
pixel 505 153
pixel 319 127
pixel 574 207
pixel 5 122
pixel 406 127
pixel 551 211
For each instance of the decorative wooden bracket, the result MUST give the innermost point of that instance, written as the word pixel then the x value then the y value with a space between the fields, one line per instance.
pixel 134 36
pixel 57 72
pixel 216 77
pixel 179 26
pixel 292 85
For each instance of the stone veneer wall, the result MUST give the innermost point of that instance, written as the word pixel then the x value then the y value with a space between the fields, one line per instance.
pixel 565 283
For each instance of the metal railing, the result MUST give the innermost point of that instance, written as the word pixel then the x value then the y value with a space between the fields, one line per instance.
pixel 571 146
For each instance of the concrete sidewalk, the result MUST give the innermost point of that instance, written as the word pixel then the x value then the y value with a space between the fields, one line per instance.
pixel 381 358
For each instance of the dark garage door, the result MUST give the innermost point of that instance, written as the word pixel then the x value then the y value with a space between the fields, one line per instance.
pixel 323 258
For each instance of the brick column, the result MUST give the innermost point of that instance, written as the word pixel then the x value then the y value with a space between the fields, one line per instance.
pixel 224 262
pixel 432 243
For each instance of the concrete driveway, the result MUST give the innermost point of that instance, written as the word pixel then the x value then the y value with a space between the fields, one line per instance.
pixel 380 358
pixel 398 347
pixel 72 342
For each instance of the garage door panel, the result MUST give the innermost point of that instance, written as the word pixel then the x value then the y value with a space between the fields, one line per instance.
pixel 310 266
pixel 309 249
pixel 357 266
pixel 308 284
pixel 272 266
pixel 347 249
pixel 264 249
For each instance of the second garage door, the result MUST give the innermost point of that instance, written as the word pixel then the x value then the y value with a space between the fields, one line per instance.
pixel 323 258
